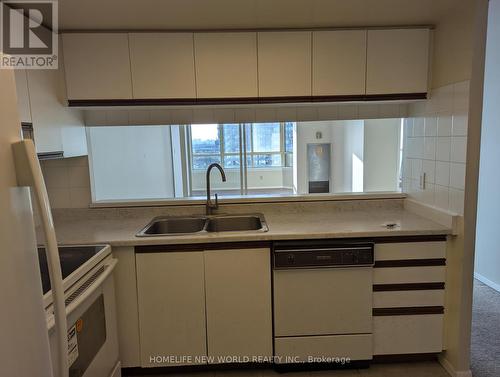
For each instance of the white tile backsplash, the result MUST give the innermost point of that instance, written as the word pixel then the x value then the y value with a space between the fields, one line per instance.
pixel 306 113
pixel 430 148
pixel 139 117
pixel 68 182
pixel 416 169
pixel 419 126
pixel 442 173
pixel 160 116
pixel 429 168
pixel 460 124
pixel 117 117
pixel 348 112
pixel 431 126
pixel 436 143
pixel 444 124
pixel 457 176
pixel 441 196
pixel 443 148
pixel 265 114
pixel 458 149
pixel 456 201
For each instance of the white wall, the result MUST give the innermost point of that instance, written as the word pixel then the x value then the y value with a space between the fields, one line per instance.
pixel 381 154
pixel 488 211
pixel 131 162
pixel 354 139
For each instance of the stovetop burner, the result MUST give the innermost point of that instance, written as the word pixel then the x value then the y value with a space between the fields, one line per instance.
pixel 71 258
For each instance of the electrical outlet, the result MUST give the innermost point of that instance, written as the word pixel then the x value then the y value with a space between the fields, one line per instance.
pixel 422 182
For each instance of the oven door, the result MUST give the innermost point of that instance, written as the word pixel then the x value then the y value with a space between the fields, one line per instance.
pixel 92 332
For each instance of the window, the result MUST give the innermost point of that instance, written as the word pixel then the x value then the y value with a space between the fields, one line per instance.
pixel 205 145
pixel 268 145
pixel 263 159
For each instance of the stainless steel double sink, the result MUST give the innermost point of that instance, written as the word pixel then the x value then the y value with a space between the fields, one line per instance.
pixel 176 226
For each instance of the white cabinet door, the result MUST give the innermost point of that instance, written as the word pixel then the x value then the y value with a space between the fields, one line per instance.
pixel 397 61
pixel 171 300
pixel 97 65
pixel 284 62
pixel 23 100
pixel 238 296
pixel 56 127
pixel 339 62
pixel 407 334
pixel 126 306
pixel 162 65
pixel 226 65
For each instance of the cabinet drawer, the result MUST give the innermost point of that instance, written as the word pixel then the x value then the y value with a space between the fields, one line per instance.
pixel 410 250
pixel 355 347
pixel 401 275
pixel 408 298
pixel 407 334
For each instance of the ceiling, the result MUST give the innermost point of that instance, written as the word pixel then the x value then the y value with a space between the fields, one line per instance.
pixel 247 14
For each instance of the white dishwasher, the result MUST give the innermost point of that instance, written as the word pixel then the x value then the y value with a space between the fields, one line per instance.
pixel 322 292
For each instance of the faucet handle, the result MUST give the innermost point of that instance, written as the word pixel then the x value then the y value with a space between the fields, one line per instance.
pixel 216 200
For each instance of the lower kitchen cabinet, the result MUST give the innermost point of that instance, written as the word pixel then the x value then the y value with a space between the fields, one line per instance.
pixel 238 301
pixel 211 306
pixel 329 348
pixel 408 334
pixel 409 298
pixel 171 301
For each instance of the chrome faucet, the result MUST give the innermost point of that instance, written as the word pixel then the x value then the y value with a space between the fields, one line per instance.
pixel 210 206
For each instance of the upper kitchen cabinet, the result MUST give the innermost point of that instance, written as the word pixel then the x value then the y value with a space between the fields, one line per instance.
pixel 23 100
pixel 41 96
pixel 226 65
pixel 162 65
pixel 338 62
pixel 97 66
pixel 284 63
pixel 397 61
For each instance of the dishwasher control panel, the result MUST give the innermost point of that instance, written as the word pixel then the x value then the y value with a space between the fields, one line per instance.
pixel 300 256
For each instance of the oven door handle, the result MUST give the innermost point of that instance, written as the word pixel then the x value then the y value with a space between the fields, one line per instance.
pixel 108 269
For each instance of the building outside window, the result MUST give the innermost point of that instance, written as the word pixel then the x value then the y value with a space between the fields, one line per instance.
pixel 268 145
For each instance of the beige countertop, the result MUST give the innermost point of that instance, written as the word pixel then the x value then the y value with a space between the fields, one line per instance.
pixel 119 227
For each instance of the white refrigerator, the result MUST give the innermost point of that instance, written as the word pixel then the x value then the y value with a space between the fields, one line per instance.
pixel 24 339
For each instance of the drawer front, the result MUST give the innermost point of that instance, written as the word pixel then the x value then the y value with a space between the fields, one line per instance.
pixel 408 298
pixel 410 250
pixel 402 275
pixel 407 334
pixel 310 348
pixel 323 301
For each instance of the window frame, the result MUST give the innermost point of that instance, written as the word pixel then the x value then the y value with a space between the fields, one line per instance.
pixel 243 153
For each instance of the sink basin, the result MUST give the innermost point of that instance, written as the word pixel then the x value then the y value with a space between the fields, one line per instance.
pixel 235 223
pixel 173 226
pixel 176 226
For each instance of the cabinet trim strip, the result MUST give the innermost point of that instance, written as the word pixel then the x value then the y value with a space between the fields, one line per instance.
pixel 244 100
pixel 415 310
pixel 407 287
pixel 404 357
pixel 202 247
pixel 410 263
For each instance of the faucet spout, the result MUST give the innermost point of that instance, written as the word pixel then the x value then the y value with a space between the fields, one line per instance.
pixel 210 206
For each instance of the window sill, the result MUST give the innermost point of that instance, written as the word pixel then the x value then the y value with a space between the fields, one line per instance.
pixel 197 201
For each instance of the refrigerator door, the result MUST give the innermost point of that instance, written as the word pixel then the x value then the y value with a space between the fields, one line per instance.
pixel 24 344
